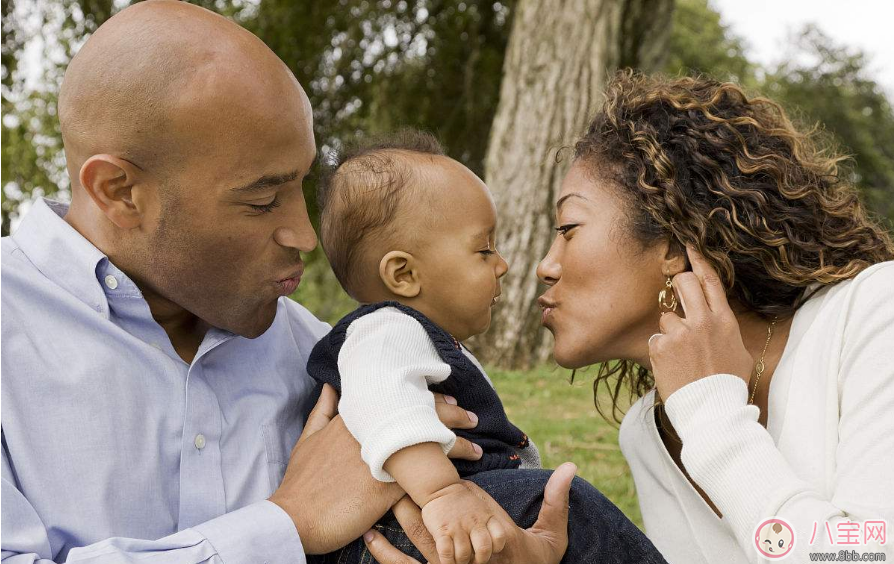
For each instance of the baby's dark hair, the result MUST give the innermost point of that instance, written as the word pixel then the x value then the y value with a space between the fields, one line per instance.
pixel 361 189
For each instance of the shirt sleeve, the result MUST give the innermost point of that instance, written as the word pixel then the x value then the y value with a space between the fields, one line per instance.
pixel 734 459
pixel 261 532
pixel 386 364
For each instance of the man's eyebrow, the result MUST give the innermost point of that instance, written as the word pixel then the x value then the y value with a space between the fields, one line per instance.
pixel 565 197
pixel 265 182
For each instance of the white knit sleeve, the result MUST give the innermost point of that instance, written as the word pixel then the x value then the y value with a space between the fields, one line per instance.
pixel 735 461
pixel 386 364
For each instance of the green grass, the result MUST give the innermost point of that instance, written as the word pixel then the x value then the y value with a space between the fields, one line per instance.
pixel 563 422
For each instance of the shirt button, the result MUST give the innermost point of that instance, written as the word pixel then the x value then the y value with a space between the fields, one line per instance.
pixel 200 441
pixel 111 282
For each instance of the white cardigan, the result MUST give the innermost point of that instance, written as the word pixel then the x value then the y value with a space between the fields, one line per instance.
pixel 827 453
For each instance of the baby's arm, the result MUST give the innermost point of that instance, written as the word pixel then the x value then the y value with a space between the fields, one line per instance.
pixel 460 523
pixel 422 471
pixel 386 365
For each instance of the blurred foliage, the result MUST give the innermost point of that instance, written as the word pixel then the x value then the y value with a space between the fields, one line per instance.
pixel 826 85
pixel 371 66
pixel 820 85
pixel 33 164
pixel 700 43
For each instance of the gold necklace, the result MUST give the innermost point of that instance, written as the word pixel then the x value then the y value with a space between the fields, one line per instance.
pixel 759 367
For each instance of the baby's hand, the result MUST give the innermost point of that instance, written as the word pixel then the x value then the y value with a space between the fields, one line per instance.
pixel 462 525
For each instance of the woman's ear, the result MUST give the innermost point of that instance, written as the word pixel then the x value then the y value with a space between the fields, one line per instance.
pixel 399 272
pixel 109 181
pixel 673 257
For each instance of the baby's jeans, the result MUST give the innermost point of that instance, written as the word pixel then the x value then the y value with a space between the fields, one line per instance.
pixel 598 532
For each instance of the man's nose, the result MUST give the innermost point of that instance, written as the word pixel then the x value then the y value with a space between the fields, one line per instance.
pixel 550 270
pixel 297 233
pixel 302 237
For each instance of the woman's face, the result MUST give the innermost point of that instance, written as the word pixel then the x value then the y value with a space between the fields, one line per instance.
pixel 602 301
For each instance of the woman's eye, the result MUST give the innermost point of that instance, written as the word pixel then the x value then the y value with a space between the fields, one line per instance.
pixel 563 230
pixel 488 252
pixel 265 208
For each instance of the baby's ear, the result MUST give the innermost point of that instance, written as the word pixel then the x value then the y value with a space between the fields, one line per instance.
pixel 398 271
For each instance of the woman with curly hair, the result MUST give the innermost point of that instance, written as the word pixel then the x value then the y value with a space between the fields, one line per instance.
pixel 717 263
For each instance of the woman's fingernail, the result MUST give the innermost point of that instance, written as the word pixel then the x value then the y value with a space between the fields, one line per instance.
pixel 477 449
pixel 450 399
pixel 472 417
pixel 368 536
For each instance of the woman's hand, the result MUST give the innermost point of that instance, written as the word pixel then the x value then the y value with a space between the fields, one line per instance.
pixel 706 342
pixel 543 543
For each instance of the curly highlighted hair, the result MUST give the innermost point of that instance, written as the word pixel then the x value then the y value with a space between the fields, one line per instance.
pixel 700 162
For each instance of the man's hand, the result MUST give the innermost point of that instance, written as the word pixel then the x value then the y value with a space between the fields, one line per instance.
pixel 328 490
pixel 544 543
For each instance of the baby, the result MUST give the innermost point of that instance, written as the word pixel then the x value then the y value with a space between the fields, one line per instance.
pixel 410 234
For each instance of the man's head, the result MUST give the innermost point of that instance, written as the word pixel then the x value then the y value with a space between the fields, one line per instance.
pixel 187 140
pixel 402 221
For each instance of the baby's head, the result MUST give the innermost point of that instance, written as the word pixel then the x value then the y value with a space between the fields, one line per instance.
pixel 402 221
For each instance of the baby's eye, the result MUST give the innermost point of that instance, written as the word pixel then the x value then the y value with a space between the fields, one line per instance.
pixel 781 543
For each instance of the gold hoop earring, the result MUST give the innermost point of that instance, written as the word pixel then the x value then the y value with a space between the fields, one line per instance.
pixel 663 296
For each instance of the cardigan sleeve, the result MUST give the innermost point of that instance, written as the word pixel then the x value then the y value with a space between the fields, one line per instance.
pixel 735 461
pixel 386 364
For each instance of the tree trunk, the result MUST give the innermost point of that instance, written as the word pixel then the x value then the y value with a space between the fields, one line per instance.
pixel 559 56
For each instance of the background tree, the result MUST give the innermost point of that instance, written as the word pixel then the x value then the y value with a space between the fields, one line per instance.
pixel 559 58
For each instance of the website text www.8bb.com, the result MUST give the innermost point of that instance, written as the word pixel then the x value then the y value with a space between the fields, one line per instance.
pixel 847 556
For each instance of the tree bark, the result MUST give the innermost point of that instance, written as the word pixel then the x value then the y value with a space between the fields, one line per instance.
pixel 559 57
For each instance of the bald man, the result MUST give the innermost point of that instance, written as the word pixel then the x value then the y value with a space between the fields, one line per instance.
pixel 153 370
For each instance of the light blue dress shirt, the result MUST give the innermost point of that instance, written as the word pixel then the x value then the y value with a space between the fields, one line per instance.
pixel 114 448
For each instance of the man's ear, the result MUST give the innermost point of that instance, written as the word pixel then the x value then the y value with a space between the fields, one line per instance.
pixel 673 257
pixel 398 271
pixel 110 181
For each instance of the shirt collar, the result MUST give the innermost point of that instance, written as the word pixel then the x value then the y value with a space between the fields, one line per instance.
pixel 68 259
